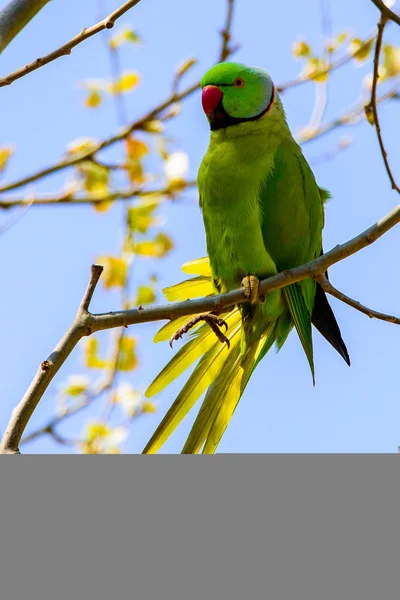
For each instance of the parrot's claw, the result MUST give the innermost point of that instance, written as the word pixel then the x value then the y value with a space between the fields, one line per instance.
pixel 214 321
pixel 251 286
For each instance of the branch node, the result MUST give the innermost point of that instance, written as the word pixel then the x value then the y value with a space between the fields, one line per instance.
pixel 46 365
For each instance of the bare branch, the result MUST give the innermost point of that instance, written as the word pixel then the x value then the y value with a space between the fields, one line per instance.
pixel 87 323
pixel 124 133
pixel 389 14
pixel 372 108
pixel 47 370
pixel 15 16
pixel 83 200
pixel 226 34
pixel 372 314
pixel 335 64
pixel 66 48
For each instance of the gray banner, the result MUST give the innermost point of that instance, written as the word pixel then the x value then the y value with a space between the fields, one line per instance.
pixel 209 528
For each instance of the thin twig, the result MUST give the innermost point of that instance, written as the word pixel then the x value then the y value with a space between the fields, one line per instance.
pixel 372 105
pixel 140 124
pixel 335 64
pixel 372 314
pixel 66 48
pixel 226 33
pixel 385 10
pixel 87 323
pixel 83 200
pixel 347 118
pixel 136 125
pixel 48 368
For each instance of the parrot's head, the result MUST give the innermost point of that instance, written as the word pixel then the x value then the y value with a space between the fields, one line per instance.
pixel 234 93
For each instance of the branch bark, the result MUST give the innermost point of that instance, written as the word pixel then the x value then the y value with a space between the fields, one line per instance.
pixel 15 16
pixel 47 370
pixel 81 200
pixel 86 323
pixel 66 48
pixel 389 14
pixel 372 106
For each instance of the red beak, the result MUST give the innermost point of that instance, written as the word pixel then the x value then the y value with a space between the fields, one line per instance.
pixel 210 98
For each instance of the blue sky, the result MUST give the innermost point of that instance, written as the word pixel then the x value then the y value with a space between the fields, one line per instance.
pixel 46 257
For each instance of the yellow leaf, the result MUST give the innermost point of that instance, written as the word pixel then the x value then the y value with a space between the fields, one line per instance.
pixel 145 295
pixel 125 83
pixel 135 148
pixel 391 60
pixel 93 99
pixel 115 271
pixel 135 172
pixel 148 407
pixel 92 359
pixel 5 153
pixel 153 126
pixel 81 146
pixel 95 182
pixel 95 430
pixel 316 69
pixel 127 360
pixel 76 385
pixel 360 49
pixel 125 34
pixel 156 248
pixel 301 49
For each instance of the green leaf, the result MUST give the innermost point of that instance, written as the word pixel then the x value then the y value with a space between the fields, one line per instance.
pixel 145 295
pixel 140 217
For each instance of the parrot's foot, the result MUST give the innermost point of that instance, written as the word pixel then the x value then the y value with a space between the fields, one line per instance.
pixel 214 321
pixel 251 286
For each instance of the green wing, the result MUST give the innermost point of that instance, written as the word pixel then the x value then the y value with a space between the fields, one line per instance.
pixel 292 222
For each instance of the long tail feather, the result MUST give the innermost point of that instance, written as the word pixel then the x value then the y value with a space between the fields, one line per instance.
pixel 230 395
pixel 224 394
pixel 204 374
pixel 324 320
pixel 302 321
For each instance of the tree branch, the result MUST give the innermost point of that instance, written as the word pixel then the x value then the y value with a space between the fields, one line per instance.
pixel 65 49
pixel 124 133
pixel 372 107
pixel 389 14
pixel 47 370
pixel 15 16
pixel 87 323
pixel 226 34
pixel 80 200
pixel 372 314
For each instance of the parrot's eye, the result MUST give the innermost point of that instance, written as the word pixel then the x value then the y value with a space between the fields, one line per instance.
pixel 239 82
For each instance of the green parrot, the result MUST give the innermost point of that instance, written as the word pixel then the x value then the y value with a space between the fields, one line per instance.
pixel 263 213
